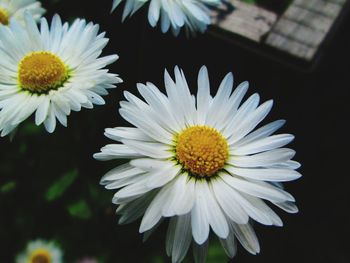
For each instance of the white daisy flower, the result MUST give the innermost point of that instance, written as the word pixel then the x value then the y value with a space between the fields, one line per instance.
pixel 51 71
pixel 40 251
pixel 15 9
pixel 174 14
pixel 197 161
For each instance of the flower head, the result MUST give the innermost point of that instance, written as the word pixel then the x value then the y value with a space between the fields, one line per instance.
pixel 51 71
pixel 40 251
pixel 174 14
pixel 199 162
pixel 15 9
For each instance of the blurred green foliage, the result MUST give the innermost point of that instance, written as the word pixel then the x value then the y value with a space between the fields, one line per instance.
pixel 8 187
pixel 216 253
pixel 79 209
pixel 60 185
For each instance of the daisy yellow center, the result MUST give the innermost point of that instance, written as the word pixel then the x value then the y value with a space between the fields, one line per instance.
pixel 41 71
pixel 40 256
pixel 4 17
pixel 202 150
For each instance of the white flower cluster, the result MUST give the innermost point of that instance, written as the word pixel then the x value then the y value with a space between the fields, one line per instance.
pixel 200 161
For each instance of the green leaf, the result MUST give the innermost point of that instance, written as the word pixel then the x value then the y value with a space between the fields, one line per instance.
pixel 79 209
pixel 61 185
pixel 29 128
pixel 157 259
pixel 216 253
pixel 8 187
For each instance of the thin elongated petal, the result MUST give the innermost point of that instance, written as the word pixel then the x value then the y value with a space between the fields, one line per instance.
pixel 269 158
pixel 266 144
pixel 153 213
pixel 216 217
pixel 246 236
pixel 230 244
pixel 200 217
pixel 265 174
pixel 200 252
pixel 227 199
pixel 259 190
pixel 182 238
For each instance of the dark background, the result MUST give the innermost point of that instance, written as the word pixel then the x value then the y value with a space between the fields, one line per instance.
pixel 314 103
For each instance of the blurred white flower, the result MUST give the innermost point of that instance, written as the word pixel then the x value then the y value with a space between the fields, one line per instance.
pixel 174 14
pixel 51 71
pixel 40 251
pixel 87 260
pixel 197 161
pixel 15 9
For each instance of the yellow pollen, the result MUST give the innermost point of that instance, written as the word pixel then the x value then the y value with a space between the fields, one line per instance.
pixel 4 17
pixel 41 71
pixel 40 256
pixel 202 150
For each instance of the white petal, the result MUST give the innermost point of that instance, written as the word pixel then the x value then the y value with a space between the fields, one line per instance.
pixel 203 94
pixel 216 217
pixel 149 164
pixel 154 12
pixel 120 133
pixel 131 192
pixel 200 252
pixel 116 151
pixel 153 213
pixel 264 174
pixel 186 202
pixel 250 122
pixel 246 236
pixel 288 207
pixel 120 172
pixel 161 177
pixel 261 145
pixel 154 150
pixel 50 121
pixel 220 100
pixel 260 211
pixel 229 244
pixel 200 217
pixel 248 107
pixel 258 189
pixel 135 209
pixel 261 133
pixel 182 238
pixel 263 159
pixel 227 199
pixel 169 242
pixel 152 129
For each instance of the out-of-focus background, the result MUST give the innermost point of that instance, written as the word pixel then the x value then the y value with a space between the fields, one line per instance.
pixel 49 184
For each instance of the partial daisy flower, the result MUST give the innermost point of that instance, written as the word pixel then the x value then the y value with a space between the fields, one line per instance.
pixel 40 251
pixel 174 14
pixel 199 162
pixel 15 9
pixel 51 71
